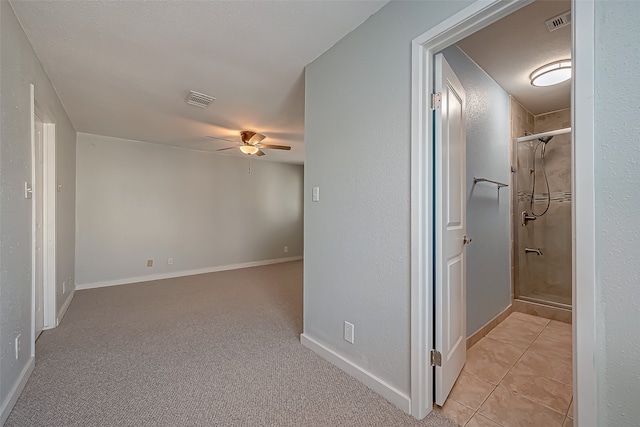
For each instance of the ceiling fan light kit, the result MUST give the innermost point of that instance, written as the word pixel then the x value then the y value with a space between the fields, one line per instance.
pixel 249 149
pixel 251 144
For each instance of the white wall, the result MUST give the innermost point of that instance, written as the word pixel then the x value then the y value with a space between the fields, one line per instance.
pixel 617 173
pixel 19 67
pixel 488 210
pixel 140 201
pixel 357 240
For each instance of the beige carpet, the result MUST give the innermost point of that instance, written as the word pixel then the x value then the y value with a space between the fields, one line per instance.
pixel 218 349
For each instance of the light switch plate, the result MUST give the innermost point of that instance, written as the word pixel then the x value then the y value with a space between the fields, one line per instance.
pixel 28 191
pixel 315 194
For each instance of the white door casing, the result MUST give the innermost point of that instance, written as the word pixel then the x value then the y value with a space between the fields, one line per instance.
pixel 450 228
pixel 38 219
pixel 472 18
pixel 43 243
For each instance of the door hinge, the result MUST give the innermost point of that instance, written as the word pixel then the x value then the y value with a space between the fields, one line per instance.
pixel 436 100
pixel 435 358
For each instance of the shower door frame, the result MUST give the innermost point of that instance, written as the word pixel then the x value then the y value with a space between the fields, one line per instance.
pixel 515 276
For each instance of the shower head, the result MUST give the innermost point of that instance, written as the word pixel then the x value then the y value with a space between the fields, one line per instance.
pixel 545 140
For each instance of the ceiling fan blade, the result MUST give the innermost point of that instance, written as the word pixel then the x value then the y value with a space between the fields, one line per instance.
pixel 257 138
pixel 228 148
pixel 222 139
pixel 259 153
pixel 275 147
pixel 250 137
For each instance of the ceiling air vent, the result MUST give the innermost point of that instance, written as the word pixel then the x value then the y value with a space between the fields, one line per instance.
pixel 559 21
pixel 199 99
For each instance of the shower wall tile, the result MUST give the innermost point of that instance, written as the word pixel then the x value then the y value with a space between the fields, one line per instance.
pixel 522 123
pixel 558 151
pixel 547 277
pixel 521 120
pixel 524 165
pixel 557 162
pixel 552 121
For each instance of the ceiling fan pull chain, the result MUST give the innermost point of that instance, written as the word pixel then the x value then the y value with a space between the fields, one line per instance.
pixel 249 164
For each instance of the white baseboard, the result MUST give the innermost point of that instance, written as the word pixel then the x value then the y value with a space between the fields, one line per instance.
pixel 17 388
pixel 392 394
pixel 65 306
pixel 172 274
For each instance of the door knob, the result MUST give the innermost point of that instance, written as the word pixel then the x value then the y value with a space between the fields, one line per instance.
pixel 466 240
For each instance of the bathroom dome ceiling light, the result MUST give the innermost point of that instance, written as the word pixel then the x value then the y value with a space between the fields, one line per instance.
pixel 552 74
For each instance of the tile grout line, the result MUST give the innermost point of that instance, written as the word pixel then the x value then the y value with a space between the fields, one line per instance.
pixel 500 381
pixel 513 366
pixel 475 411
pixel 482 403
pixel 527 349
pixel 533 401
pixel 545 355
pixel 514 363
pixel 568 409
pixel 519 357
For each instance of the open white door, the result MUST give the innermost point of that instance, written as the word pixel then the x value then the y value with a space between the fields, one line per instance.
pixel 450 228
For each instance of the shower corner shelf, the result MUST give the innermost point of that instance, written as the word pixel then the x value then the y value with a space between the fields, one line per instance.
pixel 499 184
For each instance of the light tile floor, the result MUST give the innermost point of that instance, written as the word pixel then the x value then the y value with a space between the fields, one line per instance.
pixel 520 374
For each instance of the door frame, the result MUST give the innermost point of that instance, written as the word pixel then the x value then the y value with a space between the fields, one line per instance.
pixel 38 199
pixel 464 23
pixel 48 214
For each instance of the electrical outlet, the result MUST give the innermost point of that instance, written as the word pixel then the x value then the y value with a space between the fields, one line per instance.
pixel 170 261
pixel 286 249
pixel 149 263
pixel 18 345
pixel 349 331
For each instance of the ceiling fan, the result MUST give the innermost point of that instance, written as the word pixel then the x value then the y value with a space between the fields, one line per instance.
pixel 252 144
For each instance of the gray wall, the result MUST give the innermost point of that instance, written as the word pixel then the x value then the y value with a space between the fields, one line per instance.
pixel 139 201
pixel 357 138
pixel 19 67
pixel 488 222
pixel 617 173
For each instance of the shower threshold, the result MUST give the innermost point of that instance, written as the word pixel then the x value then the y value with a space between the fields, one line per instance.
pixel 543 301
pixel 560 312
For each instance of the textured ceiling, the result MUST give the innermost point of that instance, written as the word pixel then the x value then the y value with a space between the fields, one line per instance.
pixel 124 68
pixel 510 49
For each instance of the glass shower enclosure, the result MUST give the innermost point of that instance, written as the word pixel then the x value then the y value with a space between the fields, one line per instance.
pixel 542 218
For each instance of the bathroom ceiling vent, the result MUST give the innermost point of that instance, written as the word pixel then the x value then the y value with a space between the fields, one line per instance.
pixel 559 21
pixel 199 99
